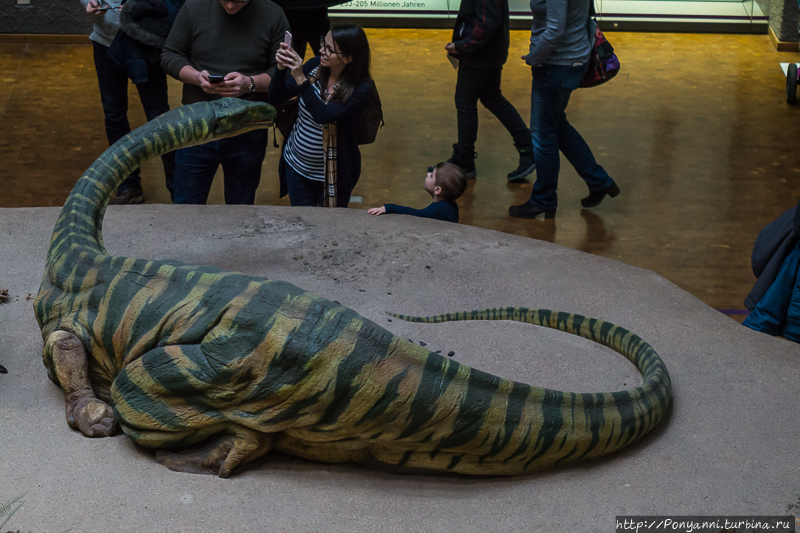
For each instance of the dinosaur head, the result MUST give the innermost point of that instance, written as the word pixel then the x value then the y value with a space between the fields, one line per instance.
pixel 235 116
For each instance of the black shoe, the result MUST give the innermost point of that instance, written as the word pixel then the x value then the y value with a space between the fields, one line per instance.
pixel 527 210
pixel 464 161
pixel 526 167
pixel 131 195
pixel 596 197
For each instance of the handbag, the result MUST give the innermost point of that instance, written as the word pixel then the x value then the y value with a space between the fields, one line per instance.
pixel 371 118
pixel 287 115
pixel 603 62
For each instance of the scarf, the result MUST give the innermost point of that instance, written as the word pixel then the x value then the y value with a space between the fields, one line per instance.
pixel 329 142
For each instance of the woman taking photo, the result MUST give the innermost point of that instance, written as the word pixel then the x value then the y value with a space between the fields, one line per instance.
pixel 321 163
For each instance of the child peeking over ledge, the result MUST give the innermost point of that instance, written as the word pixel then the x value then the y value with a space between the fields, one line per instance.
pixel 446 183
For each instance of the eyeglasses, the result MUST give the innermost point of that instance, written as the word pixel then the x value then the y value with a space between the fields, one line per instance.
pixel 326 48
pixel 234 2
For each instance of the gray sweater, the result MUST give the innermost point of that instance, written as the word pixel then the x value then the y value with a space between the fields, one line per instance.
pixel 105 26
pixel 207 38
pixel 559 34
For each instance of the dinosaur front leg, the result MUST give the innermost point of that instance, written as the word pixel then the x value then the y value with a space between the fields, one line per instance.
pixel 85 412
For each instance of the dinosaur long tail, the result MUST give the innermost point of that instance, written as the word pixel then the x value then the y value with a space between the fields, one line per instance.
pixel 80 221
pixel 525 428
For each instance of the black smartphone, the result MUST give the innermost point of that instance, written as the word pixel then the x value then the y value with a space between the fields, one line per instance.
pixel 215 79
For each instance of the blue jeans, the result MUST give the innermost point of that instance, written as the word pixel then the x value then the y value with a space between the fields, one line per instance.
pixel 241 158
pixel 552 87
pixel 113 82
pixel 303 191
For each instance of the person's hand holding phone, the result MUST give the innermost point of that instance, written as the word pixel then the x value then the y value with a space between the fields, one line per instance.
pixel 94 8
pixel 283 59
pixel 204 83
pixel 288 58
pixel 234 84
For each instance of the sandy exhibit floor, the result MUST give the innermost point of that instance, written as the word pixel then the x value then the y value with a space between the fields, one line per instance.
pixel 729 446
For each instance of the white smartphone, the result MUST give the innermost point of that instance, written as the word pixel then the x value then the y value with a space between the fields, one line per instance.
pixel 287 39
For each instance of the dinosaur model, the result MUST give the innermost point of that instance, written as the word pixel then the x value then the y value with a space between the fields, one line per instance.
pixel 216 368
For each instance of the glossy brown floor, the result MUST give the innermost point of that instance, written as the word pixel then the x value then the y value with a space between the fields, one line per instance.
pixel 695 130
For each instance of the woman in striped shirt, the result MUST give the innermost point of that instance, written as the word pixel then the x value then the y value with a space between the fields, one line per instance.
pixel 321 163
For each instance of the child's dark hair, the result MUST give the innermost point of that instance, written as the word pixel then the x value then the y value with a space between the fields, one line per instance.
pixel 351 41
pixel 452 181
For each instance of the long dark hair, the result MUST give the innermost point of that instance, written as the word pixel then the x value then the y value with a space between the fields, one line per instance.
pixel 351 41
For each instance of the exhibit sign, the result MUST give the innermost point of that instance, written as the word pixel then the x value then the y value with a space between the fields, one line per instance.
pixel 416 8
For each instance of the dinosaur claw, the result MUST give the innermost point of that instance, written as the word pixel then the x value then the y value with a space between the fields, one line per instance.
pixel 93 417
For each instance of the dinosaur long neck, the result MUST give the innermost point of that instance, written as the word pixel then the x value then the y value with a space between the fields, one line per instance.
pixel 81 219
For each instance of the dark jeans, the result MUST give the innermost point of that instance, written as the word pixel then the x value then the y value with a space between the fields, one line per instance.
pixel 303 191
pixel 308 26
pixel 241 158
pixel 552 87
pixel 484 85
pixel 113 82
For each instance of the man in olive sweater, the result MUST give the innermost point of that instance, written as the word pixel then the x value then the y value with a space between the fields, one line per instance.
pixel 237 40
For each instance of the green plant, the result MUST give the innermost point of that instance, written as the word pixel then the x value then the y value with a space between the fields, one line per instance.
pixel 8 509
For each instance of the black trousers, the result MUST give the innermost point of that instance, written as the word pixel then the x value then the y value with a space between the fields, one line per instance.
pixel 113 81
pixel 484 84
pixel 308 27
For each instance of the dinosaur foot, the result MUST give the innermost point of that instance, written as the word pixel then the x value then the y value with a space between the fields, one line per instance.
pixel 92 417
pixel 220 456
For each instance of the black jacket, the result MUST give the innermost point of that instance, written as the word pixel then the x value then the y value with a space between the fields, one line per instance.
pixel 773 245
pixel 481 34
pixel 144 26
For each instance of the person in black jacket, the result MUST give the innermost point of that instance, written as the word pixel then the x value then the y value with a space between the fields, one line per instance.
pixel 480 43
pixel 114 75
pixel 320 161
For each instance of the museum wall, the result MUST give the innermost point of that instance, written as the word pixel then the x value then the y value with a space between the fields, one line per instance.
pixel 68 17
pixel 783 19
pixel 45 16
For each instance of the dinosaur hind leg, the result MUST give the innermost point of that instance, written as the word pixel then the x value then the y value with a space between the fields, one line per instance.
pixel 174 399
pixel 221 455
pixel 326 452
pixel 85 412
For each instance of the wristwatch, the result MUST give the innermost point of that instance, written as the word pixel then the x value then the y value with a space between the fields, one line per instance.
pixel 252 84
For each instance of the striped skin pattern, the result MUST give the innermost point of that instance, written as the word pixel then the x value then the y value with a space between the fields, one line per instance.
pixel 215 368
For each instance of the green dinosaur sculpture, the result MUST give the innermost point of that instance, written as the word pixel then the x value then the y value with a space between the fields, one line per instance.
pixel 216 368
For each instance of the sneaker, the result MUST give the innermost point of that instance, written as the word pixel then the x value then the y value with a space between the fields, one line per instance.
pixel 525 168
pixel 464 162
pixel 131 195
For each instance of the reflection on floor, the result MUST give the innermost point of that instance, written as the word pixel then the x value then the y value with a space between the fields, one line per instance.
pixel 695 130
